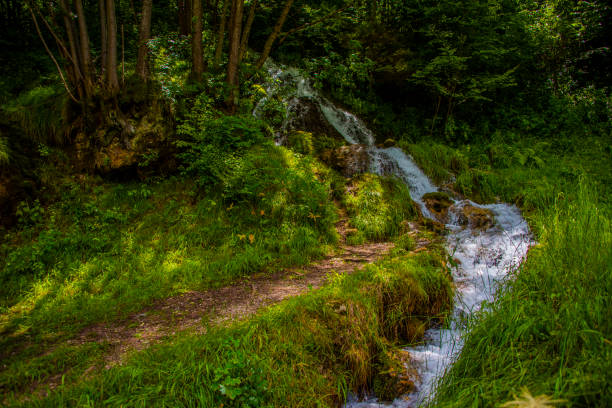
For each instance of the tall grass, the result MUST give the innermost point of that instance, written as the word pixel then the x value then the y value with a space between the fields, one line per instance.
pixel 550 332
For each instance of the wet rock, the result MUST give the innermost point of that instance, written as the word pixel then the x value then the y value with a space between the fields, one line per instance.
pixel 438 203
pixel 476 217
pixel 348 160
pixel 306 115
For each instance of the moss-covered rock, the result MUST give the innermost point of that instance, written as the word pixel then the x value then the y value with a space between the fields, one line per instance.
pixel 476 217
pixel 438 203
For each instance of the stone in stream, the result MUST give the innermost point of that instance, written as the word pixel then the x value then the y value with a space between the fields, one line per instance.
pixel 476 218
pixel 438 204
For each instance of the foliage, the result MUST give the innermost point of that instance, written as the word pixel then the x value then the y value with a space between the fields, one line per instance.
pixel 377 207
pixel 41 113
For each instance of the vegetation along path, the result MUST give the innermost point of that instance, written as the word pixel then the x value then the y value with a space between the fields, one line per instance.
pixel 195 310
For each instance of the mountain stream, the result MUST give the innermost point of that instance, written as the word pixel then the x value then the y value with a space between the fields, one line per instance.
pixel 484 256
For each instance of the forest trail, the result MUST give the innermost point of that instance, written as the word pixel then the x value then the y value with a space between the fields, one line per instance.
pixel 193 311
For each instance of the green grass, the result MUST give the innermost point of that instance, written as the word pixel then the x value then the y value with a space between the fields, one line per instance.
pixel 307 351
pixel 377 206
pixel 106 250
pixel 550 331
pixel 529 172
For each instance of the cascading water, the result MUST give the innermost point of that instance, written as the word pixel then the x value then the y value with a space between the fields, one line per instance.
pixel 484 256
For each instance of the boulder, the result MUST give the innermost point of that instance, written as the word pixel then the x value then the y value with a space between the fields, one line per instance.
pixel 348 160
pixel 128 146
pixel 476 217
pixel 438 203
pixel 306 115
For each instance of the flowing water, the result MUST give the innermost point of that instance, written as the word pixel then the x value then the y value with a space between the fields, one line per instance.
pixel 484 257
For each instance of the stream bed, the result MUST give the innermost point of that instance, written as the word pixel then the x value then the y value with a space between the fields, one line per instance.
pixel 484 256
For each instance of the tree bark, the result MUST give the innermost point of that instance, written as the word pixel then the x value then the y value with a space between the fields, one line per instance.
pixel 274 34
pixel 197 66
pixel 112 80
pixel 103 37
pixel 142 66
pixel 85 54
pixel 184 16
pixel 244 42
pixel 74 48
pixel 221 35
pixel 234 54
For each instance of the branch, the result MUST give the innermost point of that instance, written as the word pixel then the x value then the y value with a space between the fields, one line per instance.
pixel 51 55
pixel 305 26
pixel 59 42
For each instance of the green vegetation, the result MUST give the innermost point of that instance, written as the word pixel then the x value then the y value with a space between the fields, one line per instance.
pixel 550 330
pixel 307 351
pixel 377 207
pixel 132 169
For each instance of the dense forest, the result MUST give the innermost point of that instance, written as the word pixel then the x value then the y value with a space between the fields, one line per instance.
pixel 305 203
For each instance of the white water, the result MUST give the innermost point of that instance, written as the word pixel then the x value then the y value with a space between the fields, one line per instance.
pixel 484 257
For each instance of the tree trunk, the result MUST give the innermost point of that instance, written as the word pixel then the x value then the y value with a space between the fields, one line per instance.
pixel 197 66
pixel 184 16
pixel 244 42
pixel 74 48
pixel 274 34
pixel 85 54
pixel 103 38
pixel 142 66
pixel 234 54
pixel 112 81
pixel 221 35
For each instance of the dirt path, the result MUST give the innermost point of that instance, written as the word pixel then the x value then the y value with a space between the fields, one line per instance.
pixel 193 311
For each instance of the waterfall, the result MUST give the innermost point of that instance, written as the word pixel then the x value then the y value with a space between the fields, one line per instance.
pixel 484 257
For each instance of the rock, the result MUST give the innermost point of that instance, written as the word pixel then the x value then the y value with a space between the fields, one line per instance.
pixel 438 203
pixel 476 217
pixel 306 115
pixel 348 160
pixel 128 146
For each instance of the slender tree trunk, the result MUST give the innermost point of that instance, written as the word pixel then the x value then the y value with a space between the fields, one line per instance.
pixel 112 80
pixel 103 38
pixel 221 35
pixel 244 42
pixel 184 16
pixel 85 54
pixel 274 34
pixel 234 54
pixel 197 65
pixel 59 69
pixel 142 67
pixel 74 48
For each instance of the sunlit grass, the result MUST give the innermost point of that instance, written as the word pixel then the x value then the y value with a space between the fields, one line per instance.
pixel 307 351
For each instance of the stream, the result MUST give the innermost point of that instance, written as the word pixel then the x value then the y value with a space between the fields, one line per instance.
pixel 484 256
